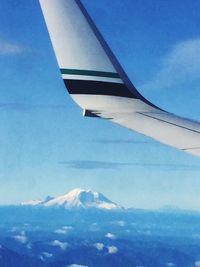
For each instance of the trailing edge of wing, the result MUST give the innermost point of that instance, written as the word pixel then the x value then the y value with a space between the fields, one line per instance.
pixel 97 82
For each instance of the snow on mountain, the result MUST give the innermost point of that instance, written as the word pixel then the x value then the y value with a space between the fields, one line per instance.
pixel 34 202
pixel 78 198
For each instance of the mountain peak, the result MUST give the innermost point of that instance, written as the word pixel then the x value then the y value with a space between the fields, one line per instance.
pixel 79 198
pixel 82 198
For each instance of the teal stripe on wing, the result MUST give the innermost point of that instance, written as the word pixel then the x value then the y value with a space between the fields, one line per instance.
pixel 90 73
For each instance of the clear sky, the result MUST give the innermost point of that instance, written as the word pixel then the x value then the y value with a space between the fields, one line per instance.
pixel 48 148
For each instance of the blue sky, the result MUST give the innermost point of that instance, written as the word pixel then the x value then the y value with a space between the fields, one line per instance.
pixel 47 147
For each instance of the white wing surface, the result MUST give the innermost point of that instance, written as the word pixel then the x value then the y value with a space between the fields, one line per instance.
pixel 98 84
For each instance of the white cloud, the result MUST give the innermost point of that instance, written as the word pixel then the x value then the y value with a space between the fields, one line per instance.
pixel 66 227
pixel 99 246
pixel 9 48
pixel 197 264
pixel 76 265
pixel 110 235
pixel 119 223
pixel 22 238
pixel 64 230
pixel 61 231
pixel 47 254
pixel 180 65
pixel 112 250
pixel 61 245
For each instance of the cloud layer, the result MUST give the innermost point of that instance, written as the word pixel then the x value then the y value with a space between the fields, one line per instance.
pixel 28 107
pixel 112 250
pixel 61 245
pixel 94 165
pixel 121 141
pixel 9 48
pixel 21 238
pixel 180 65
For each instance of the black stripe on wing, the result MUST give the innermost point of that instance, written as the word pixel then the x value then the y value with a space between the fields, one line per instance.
pixel 86 87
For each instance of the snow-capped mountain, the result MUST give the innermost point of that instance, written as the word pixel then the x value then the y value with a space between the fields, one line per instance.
pixel 77 198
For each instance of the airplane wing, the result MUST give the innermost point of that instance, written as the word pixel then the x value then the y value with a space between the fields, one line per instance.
pixel 98 84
